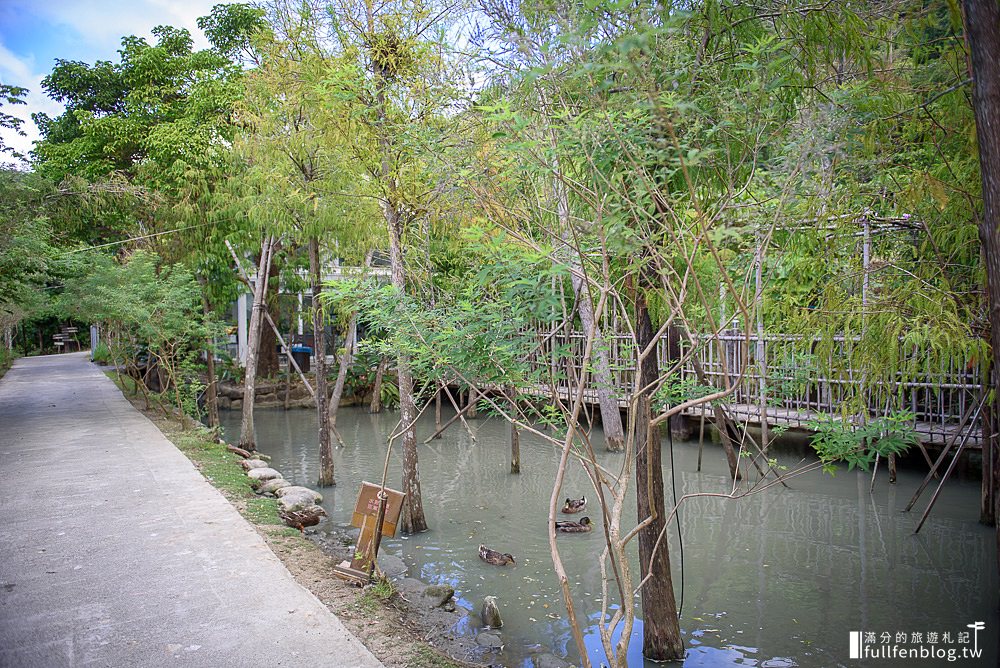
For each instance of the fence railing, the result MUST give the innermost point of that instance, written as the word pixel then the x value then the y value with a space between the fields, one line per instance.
pixel 802 379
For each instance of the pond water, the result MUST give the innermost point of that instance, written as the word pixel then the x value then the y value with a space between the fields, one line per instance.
pixel 779 578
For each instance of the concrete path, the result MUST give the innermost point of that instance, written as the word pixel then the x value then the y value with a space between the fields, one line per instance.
pixel 114 551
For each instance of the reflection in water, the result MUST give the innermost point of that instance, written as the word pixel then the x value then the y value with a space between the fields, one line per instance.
pixel 776 579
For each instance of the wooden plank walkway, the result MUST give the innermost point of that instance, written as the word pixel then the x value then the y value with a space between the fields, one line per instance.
pixel 930 433
pixel 798 392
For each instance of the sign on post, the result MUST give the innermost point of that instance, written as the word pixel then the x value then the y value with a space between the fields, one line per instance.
pixel 365 517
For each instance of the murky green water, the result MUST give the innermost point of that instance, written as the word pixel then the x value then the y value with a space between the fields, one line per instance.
pixel 775 579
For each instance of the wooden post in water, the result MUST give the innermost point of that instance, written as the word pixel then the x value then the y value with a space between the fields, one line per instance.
pixel 515 438
pixel 473 399
pixel 437 413
pixel 701 437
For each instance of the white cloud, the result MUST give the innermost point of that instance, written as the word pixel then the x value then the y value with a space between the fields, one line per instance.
pixel 21 72
pixel 103 23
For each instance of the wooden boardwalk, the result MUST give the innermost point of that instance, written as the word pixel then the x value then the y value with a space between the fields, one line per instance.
pixel 798 393
pixel 930 433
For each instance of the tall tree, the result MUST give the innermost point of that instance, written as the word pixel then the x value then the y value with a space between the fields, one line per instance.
pixel 982 21
pixel 393 72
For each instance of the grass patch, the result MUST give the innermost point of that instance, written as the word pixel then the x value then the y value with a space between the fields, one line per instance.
pixel 368 603
pixel 382 589
pixel 425 657
pixel 263 511
pixel 6 360
pixel 219 466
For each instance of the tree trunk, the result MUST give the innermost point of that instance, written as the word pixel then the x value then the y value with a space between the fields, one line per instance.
pixel 987 506
pixel 413 519
pixel 319 347
pixel 661 639
pixel 211 392
pixel 267 357
pixel 376 405
pixel 611 417
pixel 982 25
pixel 289 370
pixel 247 438
pixel 345 364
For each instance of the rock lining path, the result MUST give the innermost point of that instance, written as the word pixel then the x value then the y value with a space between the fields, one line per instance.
pixel 115 551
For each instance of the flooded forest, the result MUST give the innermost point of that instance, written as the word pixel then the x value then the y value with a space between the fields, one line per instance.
pixel 659 331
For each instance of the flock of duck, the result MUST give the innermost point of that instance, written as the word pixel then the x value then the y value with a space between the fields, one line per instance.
pixel 562 526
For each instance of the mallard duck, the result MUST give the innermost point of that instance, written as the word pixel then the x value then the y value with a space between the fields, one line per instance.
pixel 574 505
pixel 494 557
pixel 566 526
pixel 303 517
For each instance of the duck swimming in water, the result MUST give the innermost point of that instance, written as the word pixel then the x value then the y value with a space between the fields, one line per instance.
pixel 565 526
pixel 574 505
pixel 494 557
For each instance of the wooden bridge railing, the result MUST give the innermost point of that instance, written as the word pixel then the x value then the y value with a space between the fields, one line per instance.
pixel 798 382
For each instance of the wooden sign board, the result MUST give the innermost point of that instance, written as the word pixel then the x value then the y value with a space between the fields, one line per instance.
pixel 367 505
pixel 364 517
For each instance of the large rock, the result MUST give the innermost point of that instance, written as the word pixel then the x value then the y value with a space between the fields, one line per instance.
pixel 300 392
pixel 297 490
pixel 273 485
pixel 549 661
pixel 409 588
pixel 391 565
pixel 437 596
pixel 263 474
pixel 490 613
pixel 254 464
pixel 230 391
pixel 490 641
pixel 296 498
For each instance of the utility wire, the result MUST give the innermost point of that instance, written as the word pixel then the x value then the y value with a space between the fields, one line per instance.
pixel 145 236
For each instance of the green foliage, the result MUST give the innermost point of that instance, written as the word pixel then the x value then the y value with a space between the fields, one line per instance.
pixel 149 314
pixel 233 29
pixel 675 390
pixel 101 354
pixel 483 330
pixel 6 360
pixel 835 440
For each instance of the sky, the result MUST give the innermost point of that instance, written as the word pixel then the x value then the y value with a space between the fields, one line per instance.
pixel 34 33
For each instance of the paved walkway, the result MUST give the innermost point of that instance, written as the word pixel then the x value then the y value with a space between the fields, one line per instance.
pixel 114 551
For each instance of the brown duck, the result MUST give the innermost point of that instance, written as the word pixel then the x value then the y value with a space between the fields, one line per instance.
pixel 494 557
pixel 565 526
pixel 574 505
pixel 303 517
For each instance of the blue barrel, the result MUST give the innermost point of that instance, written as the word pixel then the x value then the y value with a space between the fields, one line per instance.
pixel 302 355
